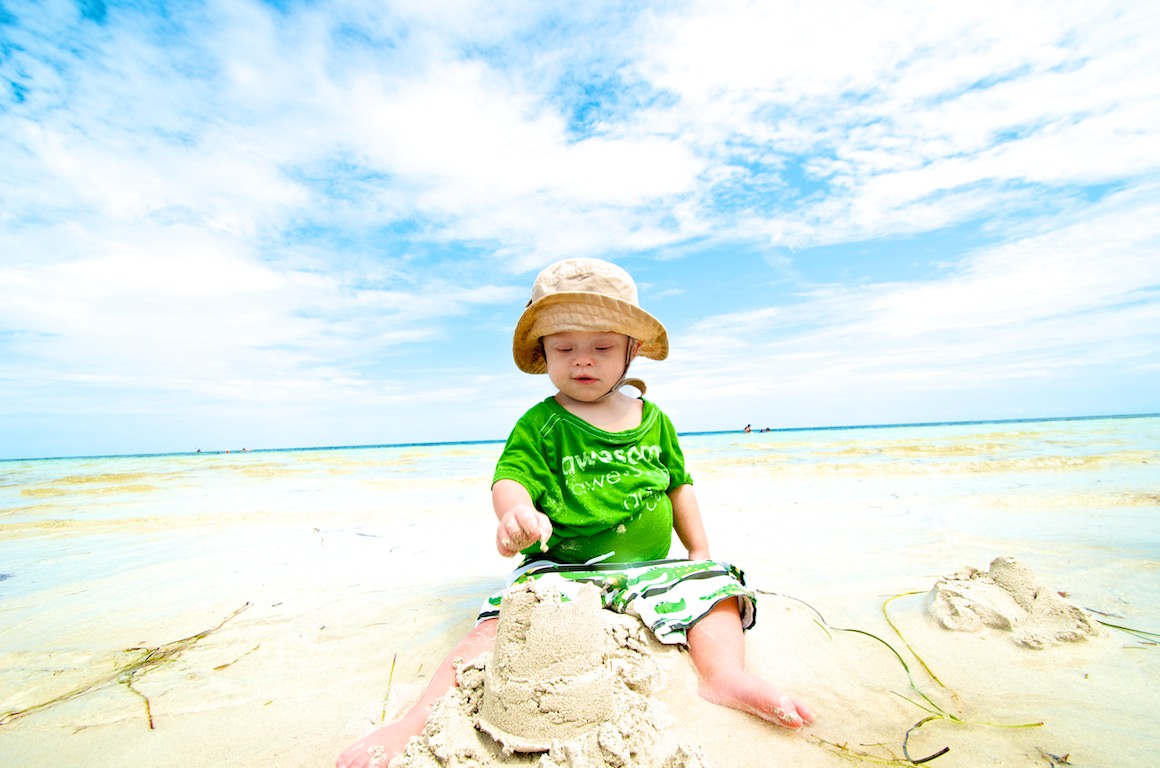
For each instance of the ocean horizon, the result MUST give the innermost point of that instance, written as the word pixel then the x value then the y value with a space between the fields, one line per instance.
pixel 501 440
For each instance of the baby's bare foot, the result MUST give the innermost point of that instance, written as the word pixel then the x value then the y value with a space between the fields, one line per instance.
pixel 379 748
pixel 749 693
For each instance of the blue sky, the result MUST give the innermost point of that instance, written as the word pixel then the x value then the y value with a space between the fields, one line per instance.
pixel 279 224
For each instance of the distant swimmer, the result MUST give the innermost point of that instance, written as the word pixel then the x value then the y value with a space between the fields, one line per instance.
pixel 748 427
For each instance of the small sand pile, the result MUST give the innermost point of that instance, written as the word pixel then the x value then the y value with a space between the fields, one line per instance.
pixel 1008 597
pixel 568 684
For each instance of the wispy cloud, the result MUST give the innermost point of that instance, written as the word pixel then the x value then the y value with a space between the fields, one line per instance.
pixel 220 202
pixel 1079 296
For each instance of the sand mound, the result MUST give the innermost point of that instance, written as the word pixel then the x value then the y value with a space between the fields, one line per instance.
pixel 568 684
pixel 1008 597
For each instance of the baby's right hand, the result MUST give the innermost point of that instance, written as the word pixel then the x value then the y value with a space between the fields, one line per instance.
pixel 520 527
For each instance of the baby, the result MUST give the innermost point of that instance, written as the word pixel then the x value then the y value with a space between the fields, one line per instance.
pixel 591 486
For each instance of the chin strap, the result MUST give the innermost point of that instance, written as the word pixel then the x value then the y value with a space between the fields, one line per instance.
pixel 637 383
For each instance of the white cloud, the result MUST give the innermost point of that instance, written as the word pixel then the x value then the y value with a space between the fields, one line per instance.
pixel 915 117
pixel 248 202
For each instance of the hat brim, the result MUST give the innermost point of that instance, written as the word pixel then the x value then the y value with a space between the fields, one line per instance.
pixel 588 312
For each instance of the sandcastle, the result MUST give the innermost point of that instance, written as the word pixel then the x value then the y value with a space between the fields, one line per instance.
pixel 550 676
pixel 568 684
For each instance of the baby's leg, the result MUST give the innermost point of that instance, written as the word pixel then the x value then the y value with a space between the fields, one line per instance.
pixel 382 745
pixel 717 645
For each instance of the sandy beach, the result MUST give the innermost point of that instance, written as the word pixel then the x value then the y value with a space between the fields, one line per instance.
pixel 266 609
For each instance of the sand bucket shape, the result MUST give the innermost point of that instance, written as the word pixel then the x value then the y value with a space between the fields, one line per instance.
pixel 549 677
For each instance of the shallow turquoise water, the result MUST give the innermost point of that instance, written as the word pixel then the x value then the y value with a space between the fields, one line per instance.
pixel 67 521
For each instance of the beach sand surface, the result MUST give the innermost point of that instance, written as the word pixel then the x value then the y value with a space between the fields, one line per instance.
pixel 271 615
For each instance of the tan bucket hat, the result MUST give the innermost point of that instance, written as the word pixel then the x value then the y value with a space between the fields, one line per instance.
pixel 584 295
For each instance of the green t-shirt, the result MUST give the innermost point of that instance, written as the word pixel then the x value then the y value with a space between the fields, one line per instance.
pixel 605 492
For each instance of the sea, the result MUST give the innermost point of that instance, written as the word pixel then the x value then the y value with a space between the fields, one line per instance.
pixel 66 521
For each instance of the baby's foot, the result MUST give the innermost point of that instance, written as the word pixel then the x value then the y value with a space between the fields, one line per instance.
pixel 379 748
pixel 749 693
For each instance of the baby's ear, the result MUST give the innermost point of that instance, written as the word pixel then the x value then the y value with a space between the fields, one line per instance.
pixel 634 346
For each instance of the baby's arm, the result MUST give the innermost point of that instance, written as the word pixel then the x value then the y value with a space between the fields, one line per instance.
pixel 520 523
pixel 687 522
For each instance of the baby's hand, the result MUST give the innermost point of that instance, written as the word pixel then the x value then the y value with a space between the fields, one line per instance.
pixel 521 526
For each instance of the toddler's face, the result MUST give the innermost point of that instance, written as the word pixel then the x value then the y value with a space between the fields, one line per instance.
pixel 585 365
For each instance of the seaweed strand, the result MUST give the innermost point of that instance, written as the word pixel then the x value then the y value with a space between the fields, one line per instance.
pixel 125 674
pixel 935 712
